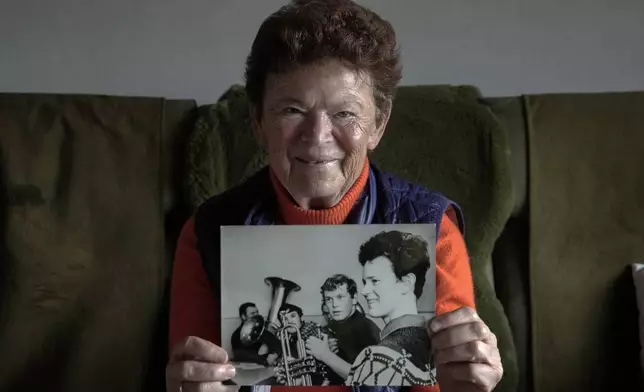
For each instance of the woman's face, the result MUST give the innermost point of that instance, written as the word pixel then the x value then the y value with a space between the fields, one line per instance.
pixel 318 122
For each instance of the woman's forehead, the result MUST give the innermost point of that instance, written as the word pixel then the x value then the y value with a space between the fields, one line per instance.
pixel 378 267
pixel 329 81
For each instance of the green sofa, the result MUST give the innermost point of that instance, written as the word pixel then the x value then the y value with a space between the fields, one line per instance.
pixel 94 190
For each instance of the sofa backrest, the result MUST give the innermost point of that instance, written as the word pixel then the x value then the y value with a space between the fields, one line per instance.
pixel 84 266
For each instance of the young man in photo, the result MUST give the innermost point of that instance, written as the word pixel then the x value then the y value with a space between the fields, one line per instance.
pixel 263 352
pixel 291 315
pixel 350 326
pixel 395 265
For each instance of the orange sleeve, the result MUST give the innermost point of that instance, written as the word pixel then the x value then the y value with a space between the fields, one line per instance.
pixel 193 309
pixel 454 285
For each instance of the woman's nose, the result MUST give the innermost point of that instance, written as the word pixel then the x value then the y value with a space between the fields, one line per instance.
pixel 317 129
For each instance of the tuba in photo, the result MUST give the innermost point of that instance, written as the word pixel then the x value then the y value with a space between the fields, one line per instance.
pixel 296 366
pixel 254 329
pixel 282 288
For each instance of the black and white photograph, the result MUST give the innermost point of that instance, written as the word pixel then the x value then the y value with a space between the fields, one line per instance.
pixel 345 305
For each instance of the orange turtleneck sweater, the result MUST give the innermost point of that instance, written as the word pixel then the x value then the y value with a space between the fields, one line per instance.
pixel 296 215
pixel 193 310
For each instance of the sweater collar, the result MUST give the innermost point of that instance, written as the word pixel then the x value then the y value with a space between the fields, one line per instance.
pixel 293 214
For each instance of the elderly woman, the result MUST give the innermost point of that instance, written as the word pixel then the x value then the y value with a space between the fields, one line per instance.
pixel 321 77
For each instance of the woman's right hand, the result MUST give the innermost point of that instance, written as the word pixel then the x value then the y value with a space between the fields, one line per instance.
pixel 198 365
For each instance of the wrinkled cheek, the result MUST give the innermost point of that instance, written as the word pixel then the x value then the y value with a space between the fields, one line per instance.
pixel 277 149
pixel 355 141
pixel 355 146
pixel 279 154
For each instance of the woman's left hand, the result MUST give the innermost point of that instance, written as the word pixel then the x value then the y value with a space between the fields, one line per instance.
pixel 465 352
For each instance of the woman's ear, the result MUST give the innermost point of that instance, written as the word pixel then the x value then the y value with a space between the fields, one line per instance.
pixel 410 281
pixel 382 118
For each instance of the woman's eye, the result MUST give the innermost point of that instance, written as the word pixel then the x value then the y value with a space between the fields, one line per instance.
pixel 292 110
pixel 344 114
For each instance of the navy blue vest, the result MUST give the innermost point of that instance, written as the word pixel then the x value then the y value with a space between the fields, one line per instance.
pixel 386 199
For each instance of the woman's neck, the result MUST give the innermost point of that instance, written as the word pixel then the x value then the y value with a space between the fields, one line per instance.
pixel 403 308
pixel 293 214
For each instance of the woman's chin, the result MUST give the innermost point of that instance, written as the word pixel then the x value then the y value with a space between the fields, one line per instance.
pixel 319 190
pixel 376 314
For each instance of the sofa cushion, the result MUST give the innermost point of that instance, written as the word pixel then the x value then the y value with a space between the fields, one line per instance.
pixel 222 151
pixel 586 228
pixel 510 113
pixel 84 272
pixel 510 257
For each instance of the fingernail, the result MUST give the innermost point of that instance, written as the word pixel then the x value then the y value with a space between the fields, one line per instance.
pixel 222 357
pixel 229 371
pixel 434 326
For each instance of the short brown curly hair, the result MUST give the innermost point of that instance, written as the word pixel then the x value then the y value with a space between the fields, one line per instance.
pixel 309 31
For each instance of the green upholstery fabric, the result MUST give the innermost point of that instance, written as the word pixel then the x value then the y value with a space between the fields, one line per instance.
pixel 83 269
pixel 586 227
pixel 439 136
pixel 222 150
